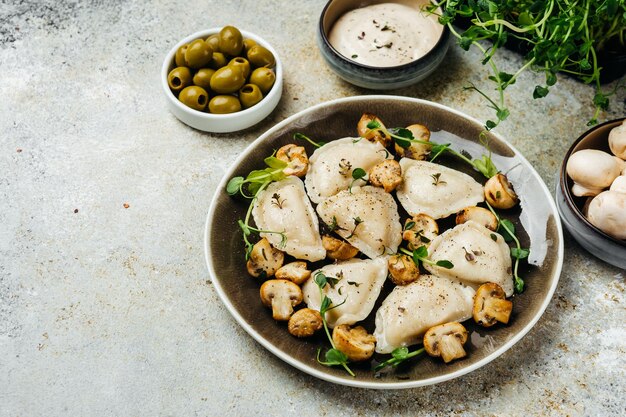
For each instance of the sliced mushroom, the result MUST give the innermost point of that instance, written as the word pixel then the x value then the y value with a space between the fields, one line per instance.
pixel 355 343
pixel 417 151
pixel 617 140
pixel 296 158
pixel 607 212
pixel 479 215
pixel 386 174
pixel 491 305
pixel 593 169
pixel 282 296
pixel 420 230
pixel 446 340
pixel 264 259
pixel 373 135
pixel 402 269
pixel 338 249
pixel 499 192
pixel 295 272
pixel 305 322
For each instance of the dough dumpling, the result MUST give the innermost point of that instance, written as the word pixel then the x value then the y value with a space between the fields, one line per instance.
pixel 411 309
pixel 436 190
pixel 359 284
pixel 284 207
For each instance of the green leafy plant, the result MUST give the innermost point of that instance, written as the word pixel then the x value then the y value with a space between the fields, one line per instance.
pixel 420 255
pixel 398 356
pixel 558 37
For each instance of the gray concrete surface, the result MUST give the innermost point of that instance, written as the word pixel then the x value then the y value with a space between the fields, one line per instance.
pixel 107 310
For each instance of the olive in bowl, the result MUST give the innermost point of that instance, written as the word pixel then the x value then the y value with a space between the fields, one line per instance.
pixel 221 110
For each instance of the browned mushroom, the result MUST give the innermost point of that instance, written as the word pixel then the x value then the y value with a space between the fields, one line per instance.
pixel 264 259
pixel 305 322
pixel 479 215
pixel 295 272
pixel 446 340
pixel 491 305
pixel 417 151
pixel 282 296
pixel 373 135
pixel 355 343
pixel 386 174
pixel 296 158
pixel 499 192
pixel 338 249
pixel 420 230
pixel 402 269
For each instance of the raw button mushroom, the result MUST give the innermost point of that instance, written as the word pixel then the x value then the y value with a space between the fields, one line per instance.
pixel 617 140
pixel 305 322
pixel 373 135
pixel 479 215
pixel 386 174
pixel 619 184
pixel 417 151
pixel 296 158
pixel 338 249
pixel 592 171
pixel 282 296
pixel 264 259
pixel 499 192
pixel 491 305
pixel 420 230
pixel 607 211
pixel 446 340
pixel 356 343
pixel 295 272
pixel 402 269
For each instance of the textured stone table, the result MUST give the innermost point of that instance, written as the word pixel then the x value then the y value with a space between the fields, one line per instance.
pixel 105 302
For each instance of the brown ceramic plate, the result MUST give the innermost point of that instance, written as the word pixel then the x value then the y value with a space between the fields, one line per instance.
pixel 537 223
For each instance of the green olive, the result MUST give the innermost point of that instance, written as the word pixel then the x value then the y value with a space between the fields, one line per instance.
pixel 214 42
pixel 218 61
pixel 180 56
pixel 261 57
pixel 194 97
pixel 179 78
pixel 231 41
pixel 249 95
pixel 227 80
pixel 241 63
pixel 202 78
pixel 247 44
pixel 224 104
pixel 264 78
pixel 198 54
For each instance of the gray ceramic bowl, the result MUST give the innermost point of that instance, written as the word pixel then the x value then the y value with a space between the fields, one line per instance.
pixel 594 240
pixel 536 221
pixel 376 78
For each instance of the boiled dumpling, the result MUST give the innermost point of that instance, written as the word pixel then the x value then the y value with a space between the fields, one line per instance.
pixel 331 166
pixel 478 255
pixel 436 190
pixel 284 207
pixel 359 284
pixel 367 217
pixel 411 309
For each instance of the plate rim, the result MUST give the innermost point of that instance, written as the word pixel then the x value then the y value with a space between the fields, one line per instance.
pixel 356 383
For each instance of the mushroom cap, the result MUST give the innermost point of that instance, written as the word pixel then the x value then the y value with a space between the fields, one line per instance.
pixel 619 184
pixel 356 343
pixel 446 340
pixel 499 192
pixel 418 151
pixel 607 211
pixel 478 214
pixel 296 158
pixel 373 135
pixel 338 249
pixel 264 259
pixel 491 305
pixel 402 269
pixel 593 169
pixel 282 296
pixel 305 322
pixel 420 230
pixel 386 174
pixel 617 140
pixel 580 191
pixel 295 272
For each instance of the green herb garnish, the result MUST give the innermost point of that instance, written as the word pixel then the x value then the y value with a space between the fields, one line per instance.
pixel 420 255
pixel 398 356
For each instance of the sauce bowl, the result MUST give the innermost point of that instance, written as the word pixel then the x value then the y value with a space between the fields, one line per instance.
pixel 373 77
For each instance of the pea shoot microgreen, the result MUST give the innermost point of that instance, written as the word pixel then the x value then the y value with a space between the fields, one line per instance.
pixel 507 229
pixel 357 174
pixel 300 136
pixel 333 356
pixel 398 356
pixel 420 255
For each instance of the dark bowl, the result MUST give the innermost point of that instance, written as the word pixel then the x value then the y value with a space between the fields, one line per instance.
pixel 375 78
pixel 536 221
pixel 594 240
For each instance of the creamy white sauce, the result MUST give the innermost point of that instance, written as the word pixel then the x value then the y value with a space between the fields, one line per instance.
pixel 385 34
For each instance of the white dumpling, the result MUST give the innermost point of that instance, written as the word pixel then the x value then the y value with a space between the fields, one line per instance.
pixel 436 190
pixel 360 282
pixel 331 166
pixel 478 255
pixel 284 207
pixel 367 217
pixel 411 309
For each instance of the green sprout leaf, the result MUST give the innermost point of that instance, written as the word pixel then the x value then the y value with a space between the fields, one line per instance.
pixel 358 173
pixel 233 185
pixel 520 253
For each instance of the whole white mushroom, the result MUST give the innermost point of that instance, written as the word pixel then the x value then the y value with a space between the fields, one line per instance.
pixel 619 184
pixel 592 170
pixel 607 211
pixel 617 140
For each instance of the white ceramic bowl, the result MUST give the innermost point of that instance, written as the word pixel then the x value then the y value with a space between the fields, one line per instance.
pixel 222 123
